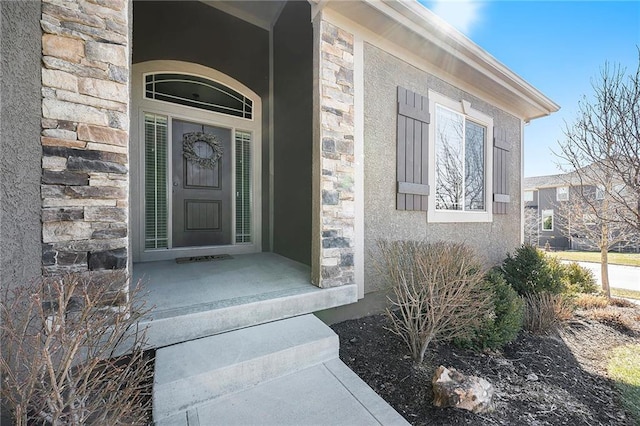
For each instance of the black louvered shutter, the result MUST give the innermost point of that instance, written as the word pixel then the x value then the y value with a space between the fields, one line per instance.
pixel 412 151
pixel 500 172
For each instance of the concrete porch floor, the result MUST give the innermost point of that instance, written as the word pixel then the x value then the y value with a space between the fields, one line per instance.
pixel 193 300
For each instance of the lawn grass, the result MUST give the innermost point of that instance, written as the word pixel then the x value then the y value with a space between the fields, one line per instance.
pixel 630 259
pixel 624 369
pixel 623 292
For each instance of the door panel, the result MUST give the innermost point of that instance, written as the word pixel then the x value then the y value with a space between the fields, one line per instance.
pixel 201 193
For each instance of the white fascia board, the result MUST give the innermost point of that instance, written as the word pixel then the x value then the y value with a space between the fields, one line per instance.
pixel 410 20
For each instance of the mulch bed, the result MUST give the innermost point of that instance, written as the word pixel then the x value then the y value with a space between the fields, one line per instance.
pixel 539 380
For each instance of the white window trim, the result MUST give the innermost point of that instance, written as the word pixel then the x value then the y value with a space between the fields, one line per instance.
pixel 140 105
pixel 462 107
pixel 558 193
pixel 553 220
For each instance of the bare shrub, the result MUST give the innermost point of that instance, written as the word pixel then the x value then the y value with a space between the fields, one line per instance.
pixel 591 301
pixel 72 353
pixel 438 292
pixel 611 318
pixel 544 312
pixel 622 303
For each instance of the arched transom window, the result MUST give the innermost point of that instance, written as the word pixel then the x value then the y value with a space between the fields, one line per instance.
pixel 197 92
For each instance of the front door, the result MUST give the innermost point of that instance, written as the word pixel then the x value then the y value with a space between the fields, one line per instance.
pixel 201 185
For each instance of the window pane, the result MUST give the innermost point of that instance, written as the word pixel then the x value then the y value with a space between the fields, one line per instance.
pixel 528 195
pixel 155 181
pixel 562 193
pixel 243 187
pixel 547 220
pixel 197 92
pixel 474 166
pixel 449 146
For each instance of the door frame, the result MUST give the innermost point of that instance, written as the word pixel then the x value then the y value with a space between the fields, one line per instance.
pixel 140 106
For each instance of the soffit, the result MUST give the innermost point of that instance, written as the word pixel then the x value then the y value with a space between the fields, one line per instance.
pixel 414 28
pixel 262 13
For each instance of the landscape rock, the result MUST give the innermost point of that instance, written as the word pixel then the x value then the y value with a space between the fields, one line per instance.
pixel 453 389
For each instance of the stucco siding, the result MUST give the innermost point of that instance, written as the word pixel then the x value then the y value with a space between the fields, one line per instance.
pixel 20 170
pixel 383 73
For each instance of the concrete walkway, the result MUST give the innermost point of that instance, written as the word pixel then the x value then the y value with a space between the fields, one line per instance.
pixel 285 372
pixel 620 276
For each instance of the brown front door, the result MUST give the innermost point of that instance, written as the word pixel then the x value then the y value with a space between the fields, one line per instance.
pixel 201 185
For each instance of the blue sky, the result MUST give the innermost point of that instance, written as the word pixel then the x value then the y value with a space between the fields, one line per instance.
pixel 557 46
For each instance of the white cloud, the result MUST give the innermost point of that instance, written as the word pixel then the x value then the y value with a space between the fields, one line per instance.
pixel 462 14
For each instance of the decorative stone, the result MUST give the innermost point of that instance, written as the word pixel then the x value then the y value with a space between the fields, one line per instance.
pixel 82 164
pixel 346 259
pixel 335 242
pixel 59 134
pixel 60 110
pixel 87 192
pixel 85 104
pixel 48 255
pixel 59 80
pixel 328 145
pixel 76 69
pixel 104 89
pixel 54 163
pixel 105 214
pixel 62 47
pixel 453 389
pixel 65 258
pixel 62 214
pixel 330 197
pixel 76 202
pixel 65 231
pixel 109 259
pixel 106 52
pixel 66 14
pixel 96 102
pixel 68 143
pixel 86 154
pixel 64 177
pixel 109 233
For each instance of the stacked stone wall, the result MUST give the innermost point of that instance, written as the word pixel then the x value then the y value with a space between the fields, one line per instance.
pixel 85 135
pixel 337 155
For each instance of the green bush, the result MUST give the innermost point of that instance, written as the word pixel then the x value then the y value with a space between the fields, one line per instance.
pixel 529 271
pixel 579 279
pixel 504 322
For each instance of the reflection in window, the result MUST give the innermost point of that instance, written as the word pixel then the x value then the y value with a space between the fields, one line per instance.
pixel 528 195
pixel 599 192
pixel 197 92
pixel 460 162
pixel 547 220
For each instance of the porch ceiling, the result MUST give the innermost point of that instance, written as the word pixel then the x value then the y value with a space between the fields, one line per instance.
pixel 261 13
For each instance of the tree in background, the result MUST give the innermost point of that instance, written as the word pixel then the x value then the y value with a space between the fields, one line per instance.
pixel 602 149
pixel 590 219
pixel 531 226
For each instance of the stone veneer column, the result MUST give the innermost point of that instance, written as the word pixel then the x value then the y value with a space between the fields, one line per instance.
pixel 85 123
pixel 334 215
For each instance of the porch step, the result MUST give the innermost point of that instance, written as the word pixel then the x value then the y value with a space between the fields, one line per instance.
pixel 284 372
pixel 185 324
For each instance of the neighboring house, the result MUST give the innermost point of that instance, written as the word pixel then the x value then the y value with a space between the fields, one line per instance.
pixel 139 132
pixel 542 195
pixel 556 215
